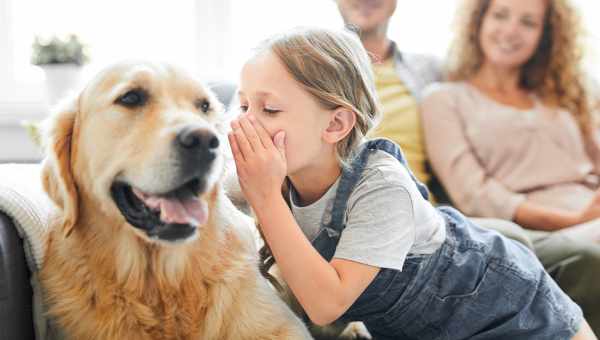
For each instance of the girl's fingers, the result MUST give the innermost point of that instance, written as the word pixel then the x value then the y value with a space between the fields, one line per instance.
pixel 251 134
pixel 242 142
pixel 235 149
pixel 279 142
pixel 263 135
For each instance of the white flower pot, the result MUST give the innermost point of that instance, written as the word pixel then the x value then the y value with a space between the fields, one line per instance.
pixel 60 80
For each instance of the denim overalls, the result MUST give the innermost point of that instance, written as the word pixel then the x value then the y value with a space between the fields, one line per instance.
pixel 477 285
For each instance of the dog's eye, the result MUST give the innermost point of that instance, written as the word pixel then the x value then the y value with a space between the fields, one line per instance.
pixel 203 105
pixel 133 98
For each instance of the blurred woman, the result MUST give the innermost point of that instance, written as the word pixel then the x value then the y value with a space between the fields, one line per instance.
pixel 512 135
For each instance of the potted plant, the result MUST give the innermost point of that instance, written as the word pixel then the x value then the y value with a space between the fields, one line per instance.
pixel 62 59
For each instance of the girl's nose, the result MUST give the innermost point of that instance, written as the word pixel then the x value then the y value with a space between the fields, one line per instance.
pixel 249 110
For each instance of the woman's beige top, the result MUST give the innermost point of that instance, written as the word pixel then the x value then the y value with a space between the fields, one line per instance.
pixel 491 157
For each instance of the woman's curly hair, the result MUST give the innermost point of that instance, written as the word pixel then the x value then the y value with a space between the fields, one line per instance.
pixel 554 72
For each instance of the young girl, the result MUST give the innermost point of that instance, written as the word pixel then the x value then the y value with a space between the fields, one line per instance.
pixel 359 240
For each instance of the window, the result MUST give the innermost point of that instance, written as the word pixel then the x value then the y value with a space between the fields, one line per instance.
pixel 255 20
pixel 252 21
pixel 415 25
pixel 173 31
pixel 113 28
pixel 420 29
pixel 589 10
pixel 210 37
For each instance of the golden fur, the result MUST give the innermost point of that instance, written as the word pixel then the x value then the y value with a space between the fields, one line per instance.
pixel 103 278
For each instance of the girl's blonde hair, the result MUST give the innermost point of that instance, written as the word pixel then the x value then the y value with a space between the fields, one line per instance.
pixel 335 69
pixel 554 70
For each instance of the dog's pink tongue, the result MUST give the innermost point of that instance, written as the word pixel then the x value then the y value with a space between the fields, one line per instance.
pixel 188 211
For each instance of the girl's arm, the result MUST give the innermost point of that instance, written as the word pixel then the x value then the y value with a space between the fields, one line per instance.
pixel 324 289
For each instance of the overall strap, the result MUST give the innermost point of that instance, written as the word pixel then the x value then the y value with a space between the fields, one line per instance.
pixel 327 240
pixel 350 177
pixel 352 174
pixel 393 149
pixel 329 236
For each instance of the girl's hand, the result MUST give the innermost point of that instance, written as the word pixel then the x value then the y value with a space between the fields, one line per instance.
pixel 260 162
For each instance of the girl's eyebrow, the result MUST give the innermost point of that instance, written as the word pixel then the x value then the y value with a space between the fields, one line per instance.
pixel 259 93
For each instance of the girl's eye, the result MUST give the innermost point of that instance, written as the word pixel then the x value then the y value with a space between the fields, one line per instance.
pixel 271 111
pixel 243 108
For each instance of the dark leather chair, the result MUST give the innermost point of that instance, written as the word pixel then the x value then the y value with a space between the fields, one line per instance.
pixel 16 316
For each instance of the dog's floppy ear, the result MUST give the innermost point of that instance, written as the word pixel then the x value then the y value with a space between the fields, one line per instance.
pixel 57 177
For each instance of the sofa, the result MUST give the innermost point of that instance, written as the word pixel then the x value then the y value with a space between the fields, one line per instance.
pixel 16 316
pixel 16 305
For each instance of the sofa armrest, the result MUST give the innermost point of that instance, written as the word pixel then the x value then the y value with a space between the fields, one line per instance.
pixel 16 315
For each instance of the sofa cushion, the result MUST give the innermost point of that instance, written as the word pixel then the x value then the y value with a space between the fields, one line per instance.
pixel 24 201
pixel 16 314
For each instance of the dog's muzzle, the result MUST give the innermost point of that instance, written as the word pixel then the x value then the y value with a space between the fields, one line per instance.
pixel 197 149
pixel 174 215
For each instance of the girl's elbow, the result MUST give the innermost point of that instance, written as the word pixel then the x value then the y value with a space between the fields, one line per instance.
pixel 326 316
pixel 323 320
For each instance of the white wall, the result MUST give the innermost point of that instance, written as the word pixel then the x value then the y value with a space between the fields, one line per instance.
pixel 15 145
pixel 14 141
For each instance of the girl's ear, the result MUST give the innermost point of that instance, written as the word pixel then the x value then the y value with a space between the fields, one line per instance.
pixel 340 124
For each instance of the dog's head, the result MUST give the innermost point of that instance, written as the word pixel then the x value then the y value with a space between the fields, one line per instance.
pixel 138 143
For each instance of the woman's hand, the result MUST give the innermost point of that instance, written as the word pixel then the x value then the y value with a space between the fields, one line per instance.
pixel 260 162
pixel 592 211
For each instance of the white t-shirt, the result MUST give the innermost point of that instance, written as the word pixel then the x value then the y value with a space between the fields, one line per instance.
pixel 386 216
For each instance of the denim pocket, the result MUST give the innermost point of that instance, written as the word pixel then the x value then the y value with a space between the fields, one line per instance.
pixel 474 303
pixel 465 286
pixel 463 275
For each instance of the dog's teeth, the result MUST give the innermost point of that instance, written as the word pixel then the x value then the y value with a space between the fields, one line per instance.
pixel 140 194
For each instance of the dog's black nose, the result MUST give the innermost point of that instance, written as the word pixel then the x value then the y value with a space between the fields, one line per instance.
pixel 197 142
pixel 197 138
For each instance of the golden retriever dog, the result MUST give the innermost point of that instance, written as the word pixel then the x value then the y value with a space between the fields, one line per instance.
pixel 146 244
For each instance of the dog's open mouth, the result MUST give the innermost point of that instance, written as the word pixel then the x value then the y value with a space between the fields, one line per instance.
pixel 170 216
